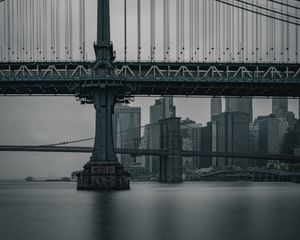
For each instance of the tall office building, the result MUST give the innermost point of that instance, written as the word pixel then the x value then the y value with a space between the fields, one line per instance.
pixel 163 108
pixel 191 140
pixel 280 107
pixel 232 129
pixel 253 142
pixel 215 107
pixel 126 130
pixel 240 105
pixel 206 145
pixel 271 132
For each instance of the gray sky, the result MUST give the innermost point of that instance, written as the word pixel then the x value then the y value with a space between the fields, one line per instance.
pixel 45 120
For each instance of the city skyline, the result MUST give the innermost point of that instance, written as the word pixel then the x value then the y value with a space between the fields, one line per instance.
pixel 62 118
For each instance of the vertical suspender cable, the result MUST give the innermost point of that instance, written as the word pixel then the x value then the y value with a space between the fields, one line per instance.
pixel 22 31
pixel 9 27
pixel 71 29
pixel 297 38
pixel 139 47
pixel 253 34
pixel 152 32
pixel 228 31
pixel 287 34
pixel 224 31
pixel 66 29
pixel 52 30
pixel 165 29
pixel 25 30
pixel 125 30
pixel 268 35
pixel 17 30
pixel 34 32
pixel 191 50
pixel 45 23
pixel 260 35
pixel 218 30
pixel 204 30
pixel 4 48
pixel 38 29
pixel 177 31
pixel 245 36
pixel 182 30
pixel 232 32
pixel 168 29
pixel 282 32
pixel 239 33
pixel 83 31
pixel 209 28
pixel 197 29
pixel 57 30
pixel 212 31
pixel 273 38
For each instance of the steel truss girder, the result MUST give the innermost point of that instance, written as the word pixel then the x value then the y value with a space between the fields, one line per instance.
pixel 151 78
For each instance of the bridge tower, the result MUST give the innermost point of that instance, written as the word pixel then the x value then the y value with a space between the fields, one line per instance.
pixel 103 170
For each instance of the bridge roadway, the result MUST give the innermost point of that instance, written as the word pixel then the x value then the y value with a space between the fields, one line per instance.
pixel 151 78
pixel 153 152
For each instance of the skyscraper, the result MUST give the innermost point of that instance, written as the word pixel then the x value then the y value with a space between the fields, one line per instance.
pixel 126 130
pixel 240 105
pixel 162 109
pixel 215 107
pixel 271 132
pixel 191 140
pixel 232 136
pixel 280 107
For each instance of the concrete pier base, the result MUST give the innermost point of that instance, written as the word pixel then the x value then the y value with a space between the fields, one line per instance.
pixel 103 176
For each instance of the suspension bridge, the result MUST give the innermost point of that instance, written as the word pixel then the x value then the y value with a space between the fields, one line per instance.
pixel 182 47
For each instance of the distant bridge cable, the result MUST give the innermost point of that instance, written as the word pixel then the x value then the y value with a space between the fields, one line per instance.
pixel 258 12
pixel 267 9
pixel 285 4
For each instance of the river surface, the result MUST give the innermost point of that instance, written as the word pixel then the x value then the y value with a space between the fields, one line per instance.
pixel 149 211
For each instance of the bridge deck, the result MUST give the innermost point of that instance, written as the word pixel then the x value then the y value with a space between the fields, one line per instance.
pixel 152 78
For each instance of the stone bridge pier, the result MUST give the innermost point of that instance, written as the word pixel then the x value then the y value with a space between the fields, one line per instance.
pixel 171 165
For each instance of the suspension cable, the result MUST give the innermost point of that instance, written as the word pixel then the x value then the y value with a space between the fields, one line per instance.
pixel 258 12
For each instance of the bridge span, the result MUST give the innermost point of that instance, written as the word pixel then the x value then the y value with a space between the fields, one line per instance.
pixel 153 152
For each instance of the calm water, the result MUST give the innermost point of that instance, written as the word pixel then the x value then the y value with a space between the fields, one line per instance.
pixel 151 211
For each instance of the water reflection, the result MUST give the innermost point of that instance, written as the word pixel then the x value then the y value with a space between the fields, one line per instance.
pixel 200 211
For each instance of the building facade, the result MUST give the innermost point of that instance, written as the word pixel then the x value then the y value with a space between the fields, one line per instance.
pixel 243 105
pixel 126 130
pixel 215 107
pixel 163 108
pixel 232 135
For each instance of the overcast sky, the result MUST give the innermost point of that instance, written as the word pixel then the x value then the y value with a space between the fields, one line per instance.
pixel 45 120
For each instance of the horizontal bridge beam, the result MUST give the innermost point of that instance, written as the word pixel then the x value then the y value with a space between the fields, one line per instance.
pixel 153 152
